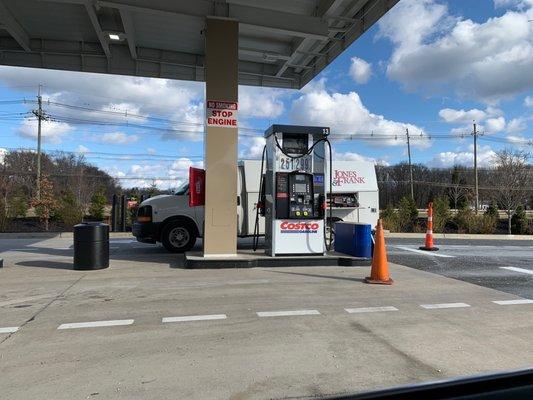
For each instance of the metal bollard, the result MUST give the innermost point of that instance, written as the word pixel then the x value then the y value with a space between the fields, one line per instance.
pixel 91 246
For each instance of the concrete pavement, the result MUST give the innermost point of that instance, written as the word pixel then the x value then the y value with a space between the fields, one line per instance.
pixel 314 348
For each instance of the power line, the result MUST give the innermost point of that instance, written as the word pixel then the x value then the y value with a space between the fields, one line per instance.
pixel 175 178
pixel 200 131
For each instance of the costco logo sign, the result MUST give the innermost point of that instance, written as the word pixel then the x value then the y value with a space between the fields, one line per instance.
pixel 299 227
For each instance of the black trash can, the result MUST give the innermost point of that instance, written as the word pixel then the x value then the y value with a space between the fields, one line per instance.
pixel 91 246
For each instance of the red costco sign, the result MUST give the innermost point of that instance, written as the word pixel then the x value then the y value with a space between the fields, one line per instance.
pixel 221 114
pixel 298 227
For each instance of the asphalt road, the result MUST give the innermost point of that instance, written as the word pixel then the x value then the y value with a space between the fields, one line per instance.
pixel 505 265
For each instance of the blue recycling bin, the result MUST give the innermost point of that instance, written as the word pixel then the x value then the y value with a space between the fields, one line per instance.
pixel 353 238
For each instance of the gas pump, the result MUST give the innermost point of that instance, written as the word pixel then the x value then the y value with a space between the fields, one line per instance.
pixel 293 190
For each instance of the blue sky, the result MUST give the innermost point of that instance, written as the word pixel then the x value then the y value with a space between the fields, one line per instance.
pixel 431 66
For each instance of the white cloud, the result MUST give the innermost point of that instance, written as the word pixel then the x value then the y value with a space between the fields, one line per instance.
pixel 260 102
pixel 346 114
pixel 164 175
pixel 437 52
pixel 144 169
pixel 120 99
pixel 125 95
pixel 360 70
pixel 520 4
pixel 350 156
pixel 485 158
pixel 528 101
pixel 51 131
pixel 461 116
pixel 494 125
pixel 107 92
pixel 82 149
pixel 492 117
pixel 117 138
pixel 190 125
pixel 253 147
pixel 516 125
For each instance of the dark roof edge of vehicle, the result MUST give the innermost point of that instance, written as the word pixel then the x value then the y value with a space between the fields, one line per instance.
pixel 516 384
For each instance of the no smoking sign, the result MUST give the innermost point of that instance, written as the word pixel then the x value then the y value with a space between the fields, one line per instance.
pixel 222 114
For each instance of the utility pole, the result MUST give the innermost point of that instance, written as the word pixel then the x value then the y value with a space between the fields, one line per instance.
pixel 39 115
pixel 475 168
pixel 410 165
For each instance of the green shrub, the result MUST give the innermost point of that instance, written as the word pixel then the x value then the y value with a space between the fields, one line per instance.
pixel 463 219
pixel 468 222
pixel 519 224
pixel 441 213
pixel 97 206
pixel 389 218
pixel 4 217
pixel 18 205
pixel 407 214
pixel 485 224
pixel 492 211
pixel 69 211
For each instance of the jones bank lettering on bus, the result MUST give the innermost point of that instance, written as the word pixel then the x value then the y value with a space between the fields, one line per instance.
pixel 341 177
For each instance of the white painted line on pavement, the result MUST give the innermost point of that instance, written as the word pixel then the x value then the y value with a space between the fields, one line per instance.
pixel 369 309
pixel 510 302
pixel 427 253
pixel 515 269
pixel 96 324
pixel 9 329
pixel 286 313
pixel 444 305
pixel 194 318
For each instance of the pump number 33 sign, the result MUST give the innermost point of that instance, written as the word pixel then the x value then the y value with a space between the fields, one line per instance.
pixel 222 114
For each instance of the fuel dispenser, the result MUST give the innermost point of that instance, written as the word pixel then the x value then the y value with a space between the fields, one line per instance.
pixel 293 190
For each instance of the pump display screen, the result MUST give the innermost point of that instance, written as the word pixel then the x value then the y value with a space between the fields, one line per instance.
pixel 300 187
pixel 294 143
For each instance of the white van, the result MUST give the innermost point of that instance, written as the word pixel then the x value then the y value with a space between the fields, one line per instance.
pixel 169 219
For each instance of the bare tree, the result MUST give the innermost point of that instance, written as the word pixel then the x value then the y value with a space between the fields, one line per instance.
pixel 510 181
pixel 457 191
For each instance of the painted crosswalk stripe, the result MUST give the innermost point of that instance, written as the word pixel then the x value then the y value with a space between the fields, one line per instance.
pixel 510 302
pixel 286 313
pixel 444 305
pixel 96 324
pixel 427 253
pixel 9 329
pixel 194 318
pixel 516 269
pixel 369 309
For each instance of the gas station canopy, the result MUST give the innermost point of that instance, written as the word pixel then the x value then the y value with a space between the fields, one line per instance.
pixel 281 43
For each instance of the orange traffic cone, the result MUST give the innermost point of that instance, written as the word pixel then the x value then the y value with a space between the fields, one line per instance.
pixel 429 231
pixel 380 267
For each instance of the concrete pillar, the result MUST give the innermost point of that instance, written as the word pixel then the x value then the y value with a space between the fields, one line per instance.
pixel 220 157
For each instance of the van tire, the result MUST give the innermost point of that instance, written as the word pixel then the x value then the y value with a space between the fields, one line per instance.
pixel 178 236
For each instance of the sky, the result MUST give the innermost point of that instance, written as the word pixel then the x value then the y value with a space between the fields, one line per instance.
pixel 433 67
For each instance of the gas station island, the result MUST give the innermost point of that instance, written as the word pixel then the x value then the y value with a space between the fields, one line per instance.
pixel 224 43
